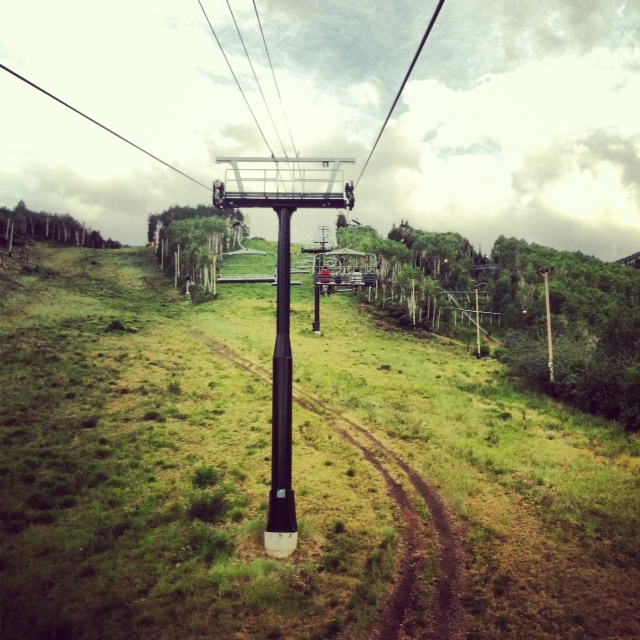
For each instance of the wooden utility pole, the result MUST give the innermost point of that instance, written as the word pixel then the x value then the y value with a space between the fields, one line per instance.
pixel 477 287
pixel 544 272
pixel 214 274
pixel 11 240
pixel 413 301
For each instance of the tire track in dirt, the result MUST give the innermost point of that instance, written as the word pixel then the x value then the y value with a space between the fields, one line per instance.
pixel 398 620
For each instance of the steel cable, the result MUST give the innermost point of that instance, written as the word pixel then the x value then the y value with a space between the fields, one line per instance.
pixel 84 115
pixel 404 82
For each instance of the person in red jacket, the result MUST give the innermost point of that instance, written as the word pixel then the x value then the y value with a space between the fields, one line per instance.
pixel 325 281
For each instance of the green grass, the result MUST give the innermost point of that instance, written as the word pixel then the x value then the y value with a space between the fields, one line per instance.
pixel 136 468
pixel 507 460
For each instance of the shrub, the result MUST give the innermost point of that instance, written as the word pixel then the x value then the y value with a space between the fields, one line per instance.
pixel 211 544
pixel 90 422
pixel 103 451
pixel 152 414
pixel 174 387
pixel 236 514
pixel 40 500
pixel 206 476
pixel 200 297
pixel 500 354
pixel 332 561
pixel 208 506
pixel 631 399
pixel 115 325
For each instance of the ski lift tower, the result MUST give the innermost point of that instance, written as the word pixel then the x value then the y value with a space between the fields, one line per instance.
pixel 283 184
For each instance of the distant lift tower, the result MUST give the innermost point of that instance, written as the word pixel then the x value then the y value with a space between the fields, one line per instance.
pixel 283 184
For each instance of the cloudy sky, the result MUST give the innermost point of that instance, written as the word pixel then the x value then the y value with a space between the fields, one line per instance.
pixel 520 118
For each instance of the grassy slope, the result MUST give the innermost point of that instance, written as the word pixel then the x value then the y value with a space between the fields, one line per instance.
pixel 550 495
pixel 103 434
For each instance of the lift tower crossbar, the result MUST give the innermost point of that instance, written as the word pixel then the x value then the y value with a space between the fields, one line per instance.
pixel 311 183
pixel 291 184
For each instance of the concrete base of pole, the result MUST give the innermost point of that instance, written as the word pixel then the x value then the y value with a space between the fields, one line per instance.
pixel 280 545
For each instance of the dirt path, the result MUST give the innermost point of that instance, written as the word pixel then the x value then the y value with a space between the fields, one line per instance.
pixel 401 619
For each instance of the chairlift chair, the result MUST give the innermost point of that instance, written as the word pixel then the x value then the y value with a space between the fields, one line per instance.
pixel 237 272
pixel 343 263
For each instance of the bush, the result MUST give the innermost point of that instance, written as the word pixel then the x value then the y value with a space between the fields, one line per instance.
pixel 174 387
pixel 41 500
pixel 206 476
pixel 208 506
pixel 211 544
pixel 500 354
pixel 237 513
pixel 198 296
pixel 115 325
pixel 153 414
pixel 90 422
pixel 631 399
pixel 584 376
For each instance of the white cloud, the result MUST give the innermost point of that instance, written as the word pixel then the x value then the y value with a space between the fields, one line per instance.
pixel 522 136
pixel 591 195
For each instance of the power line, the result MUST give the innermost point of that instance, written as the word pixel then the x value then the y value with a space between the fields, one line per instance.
pixel 404 82
pixel 235 78
pixel 284 113
pixel 306 214
pixel 273 73
pixel 50 95
pixel 256 77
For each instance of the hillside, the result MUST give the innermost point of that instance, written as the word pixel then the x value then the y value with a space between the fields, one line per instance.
pixel 594 310
pixel 136 463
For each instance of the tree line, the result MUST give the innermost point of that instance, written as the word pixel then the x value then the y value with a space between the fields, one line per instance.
pixel 594 307
pixel 595 319
pixel 415 268
pixel 20 223
pixel 189 240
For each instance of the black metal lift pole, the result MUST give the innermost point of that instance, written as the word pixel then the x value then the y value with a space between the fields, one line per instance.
pixel 271 188
pixel 316 316
pixel 281 532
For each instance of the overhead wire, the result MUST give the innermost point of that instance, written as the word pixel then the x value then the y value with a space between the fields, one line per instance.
pixel 275 81
pixel 84 115
pixel 284 113
pixel 235 78
pixel 235 22
pixel 255 76
pixel 279 177
pixel 432 22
